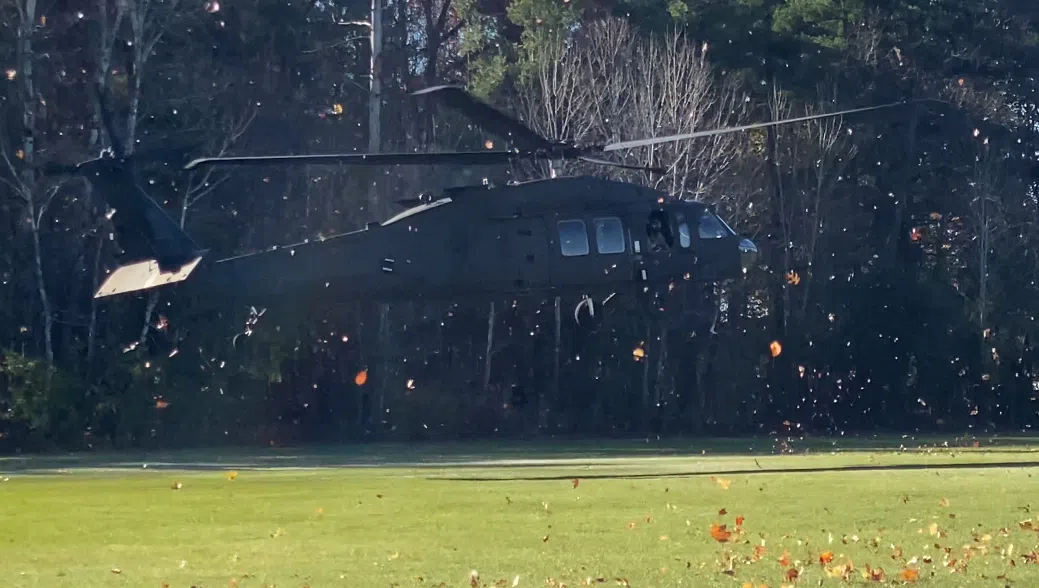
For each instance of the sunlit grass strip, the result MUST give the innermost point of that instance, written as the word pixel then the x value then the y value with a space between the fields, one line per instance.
pixel 375 527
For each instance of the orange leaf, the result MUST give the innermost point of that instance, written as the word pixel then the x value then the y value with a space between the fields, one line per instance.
pixel 719 533
pixel 792 574
pixel 775 348
pixel 723 512
pixel 784 560
pixel 739 521
pixel 722 482
pixel 361 377
pixel 909 575
pixel 760 551
pixel 825 557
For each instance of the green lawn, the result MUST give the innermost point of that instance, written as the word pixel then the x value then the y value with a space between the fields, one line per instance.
pixel 639 512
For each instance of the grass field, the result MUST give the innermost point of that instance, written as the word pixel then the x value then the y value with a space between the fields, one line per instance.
pixel 530 515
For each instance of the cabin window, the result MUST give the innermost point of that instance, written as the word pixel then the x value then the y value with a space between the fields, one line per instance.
pixel 573 238
pixel 683 235
pixel 711 227
pixel 609 235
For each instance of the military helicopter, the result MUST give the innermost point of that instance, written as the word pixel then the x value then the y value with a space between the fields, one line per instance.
pixel 560 235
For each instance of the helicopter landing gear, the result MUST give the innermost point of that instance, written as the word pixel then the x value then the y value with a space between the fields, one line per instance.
pixel 588 314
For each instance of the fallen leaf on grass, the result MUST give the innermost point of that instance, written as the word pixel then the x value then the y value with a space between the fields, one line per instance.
pixel 719 533
pixel 873 574
pixel 176 486
pixel 723 512
pixel 739 520
pixel 944 502
pixel 842 571
pixel 825 557
pixel 784 560
pixel 909 575
pixel 792 574
pixel 116 571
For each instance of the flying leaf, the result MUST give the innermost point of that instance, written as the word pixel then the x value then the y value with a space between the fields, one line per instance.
pixel 575 482
pixel 361 377
pixel 775 348
pixel 719 533
pixel 722 482
pixel 232 475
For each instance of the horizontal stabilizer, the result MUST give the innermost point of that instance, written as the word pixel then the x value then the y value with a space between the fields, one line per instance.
pixel 143 275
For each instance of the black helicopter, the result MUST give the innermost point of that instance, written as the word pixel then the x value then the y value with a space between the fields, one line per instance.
pixel 561 235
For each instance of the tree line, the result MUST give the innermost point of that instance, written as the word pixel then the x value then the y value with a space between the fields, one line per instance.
pixel 896 289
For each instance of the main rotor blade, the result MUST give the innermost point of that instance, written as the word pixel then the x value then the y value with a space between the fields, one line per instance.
pixel 597 161
pixel 697 134
pixel 486 116
pixel 456 158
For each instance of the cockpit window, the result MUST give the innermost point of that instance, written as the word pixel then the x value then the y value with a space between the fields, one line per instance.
pixel 573 238
pixel 712 227
pixel 609 235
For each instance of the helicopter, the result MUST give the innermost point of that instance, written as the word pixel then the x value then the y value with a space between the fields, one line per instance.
pixel 561 235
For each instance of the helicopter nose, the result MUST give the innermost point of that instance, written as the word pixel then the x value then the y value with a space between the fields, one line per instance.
pixel 748 254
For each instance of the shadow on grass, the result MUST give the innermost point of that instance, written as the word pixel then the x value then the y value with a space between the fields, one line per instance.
pixel 744 471
pixel 530 454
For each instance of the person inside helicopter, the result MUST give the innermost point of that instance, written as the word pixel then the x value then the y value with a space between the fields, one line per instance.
pixel 658 232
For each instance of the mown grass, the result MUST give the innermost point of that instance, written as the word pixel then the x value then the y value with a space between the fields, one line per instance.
pixel 640 513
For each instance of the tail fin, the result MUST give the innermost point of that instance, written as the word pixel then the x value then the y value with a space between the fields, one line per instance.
pixel 163 252
pixel 143 275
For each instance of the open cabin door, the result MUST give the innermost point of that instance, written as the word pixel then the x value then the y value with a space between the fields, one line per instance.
pixel 662 243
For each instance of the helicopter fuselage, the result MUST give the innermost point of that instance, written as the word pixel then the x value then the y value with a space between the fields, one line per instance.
pixel 572 234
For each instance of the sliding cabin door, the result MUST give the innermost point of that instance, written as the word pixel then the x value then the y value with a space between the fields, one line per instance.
pixel 591 251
